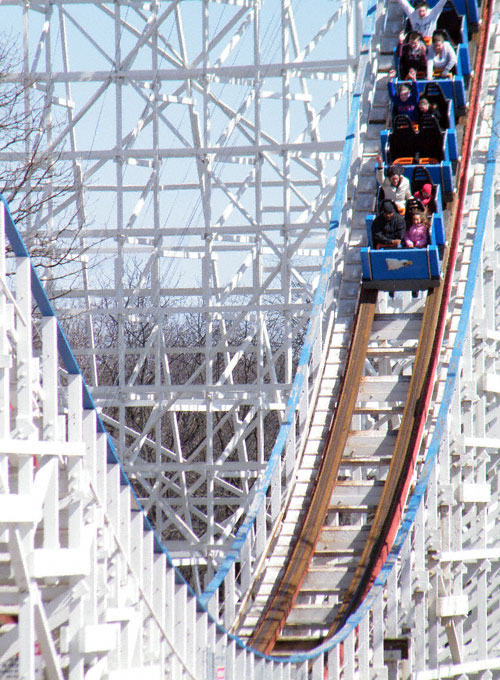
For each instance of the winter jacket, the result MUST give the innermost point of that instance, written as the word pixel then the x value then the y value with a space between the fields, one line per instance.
pixel 412 58
pixel 397 194
pixel 404 108
pixel 416 236
pixel 384 231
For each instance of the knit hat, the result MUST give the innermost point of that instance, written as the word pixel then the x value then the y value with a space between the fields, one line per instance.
pixel 387 207
pixel 427 188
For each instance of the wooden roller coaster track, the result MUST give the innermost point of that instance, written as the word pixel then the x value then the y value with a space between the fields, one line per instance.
pixel 315 524
pixel 285 623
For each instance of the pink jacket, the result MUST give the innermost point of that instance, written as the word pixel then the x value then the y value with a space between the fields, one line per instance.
pixel 416 236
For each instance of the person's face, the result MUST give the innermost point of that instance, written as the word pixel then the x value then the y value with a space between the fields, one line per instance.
pixel 394 180
pixel 423 106
pixel 388 215
pixel 438 45
pixel 416 219
pixel 404 93
pixel 425 194
pixel 422 11
pixel 414 43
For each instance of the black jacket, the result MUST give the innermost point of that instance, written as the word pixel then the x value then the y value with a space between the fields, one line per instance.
pixel 384 231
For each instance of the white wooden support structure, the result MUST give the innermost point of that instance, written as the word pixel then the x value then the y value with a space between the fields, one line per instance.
pixel 80 581
pixel 202 205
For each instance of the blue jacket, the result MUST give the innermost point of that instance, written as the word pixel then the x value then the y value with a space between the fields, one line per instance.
pixel 407 108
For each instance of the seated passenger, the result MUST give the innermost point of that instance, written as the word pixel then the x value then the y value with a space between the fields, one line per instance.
pixel 424 194
pixel 388 228
pixel 413 205
pixel 417 235
pixel 425 108
pixel 422 18
pixel 396 186
pixel 441 57
pixel 412 53
pixel 404 101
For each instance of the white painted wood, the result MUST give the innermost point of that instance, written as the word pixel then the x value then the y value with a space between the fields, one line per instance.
pixel 260 198
pixel 51 563
pixel 99 638
pixel 22 447
pixel 19 508
pixel 77 569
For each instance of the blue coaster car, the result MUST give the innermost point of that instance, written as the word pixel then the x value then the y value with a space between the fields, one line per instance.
pixel 453 23
pixel 404 268
pixel 431 129
pixel 453 88
pixel 403 146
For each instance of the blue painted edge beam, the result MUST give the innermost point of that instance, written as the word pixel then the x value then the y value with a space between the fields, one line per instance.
pixel 319 299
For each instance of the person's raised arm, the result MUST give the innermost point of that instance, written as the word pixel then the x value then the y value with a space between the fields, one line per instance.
pixel 436 10
pixel 391 87
pixel 379 169
pixel 407 7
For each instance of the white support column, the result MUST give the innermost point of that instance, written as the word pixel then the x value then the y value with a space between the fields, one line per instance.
pixel 202 224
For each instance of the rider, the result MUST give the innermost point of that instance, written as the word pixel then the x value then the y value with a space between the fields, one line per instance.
pixel 422 18
pixel 388 228
pixel 396 186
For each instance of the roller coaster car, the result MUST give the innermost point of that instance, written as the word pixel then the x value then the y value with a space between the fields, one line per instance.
pixel 452 88
pixel 404 268
pixel 454 26
pixel 409 143
pixel 405 147
pixel 434 94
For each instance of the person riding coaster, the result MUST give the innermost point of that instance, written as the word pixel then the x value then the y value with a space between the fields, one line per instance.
pixel 422 18
pixel 396 186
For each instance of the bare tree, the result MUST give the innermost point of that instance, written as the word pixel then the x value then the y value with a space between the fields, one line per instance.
pixel 33 180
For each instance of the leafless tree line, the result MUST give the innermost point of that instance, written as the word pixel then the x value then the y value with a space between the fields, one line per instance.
pixel 33 180
pixel 184 337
